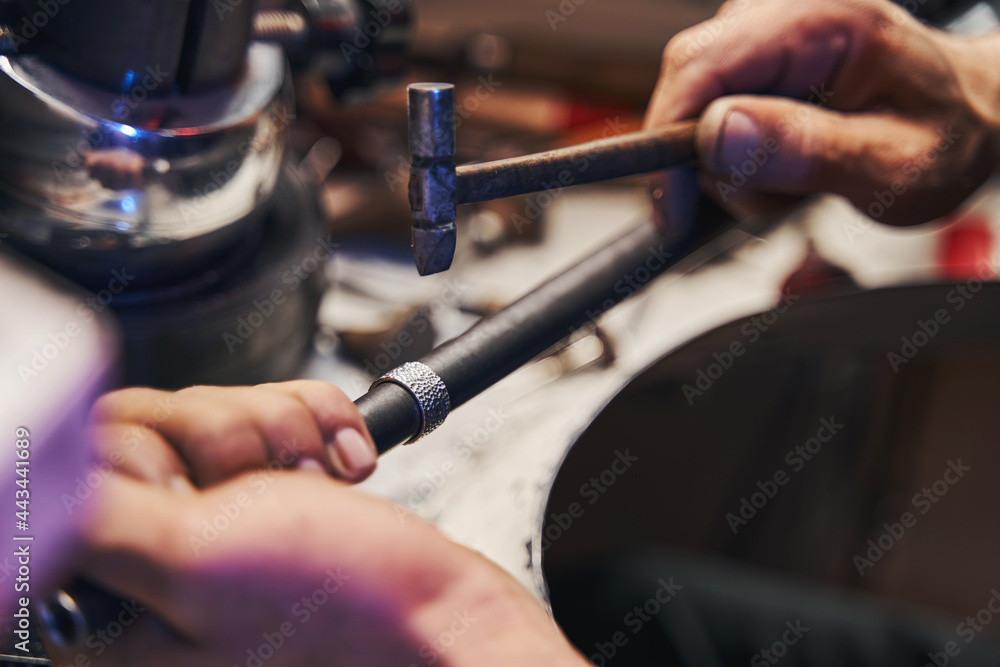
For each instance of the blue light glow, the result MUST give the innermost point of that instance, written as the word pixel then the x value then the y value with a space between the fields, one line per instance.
pixel 128 80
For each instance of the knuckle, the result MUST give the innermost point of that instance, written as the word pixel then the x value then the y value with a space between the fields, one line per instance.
pixel 730 7
pixel 194 390
pixel 331 404
pixel 107 407
pixel 281 409
pixel 103 409
pixel 916 154
pixel 320 388
pixel 227 430
pixel 681 50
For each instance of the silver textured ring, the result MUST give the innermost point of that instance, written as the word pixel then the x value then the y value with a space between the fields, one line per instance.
pixel 427 388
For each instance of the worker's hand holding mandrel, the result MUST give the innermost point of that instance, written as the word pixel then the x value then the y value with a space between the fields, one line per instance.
pixel 852 98
pixel 208 434
pixel 228 544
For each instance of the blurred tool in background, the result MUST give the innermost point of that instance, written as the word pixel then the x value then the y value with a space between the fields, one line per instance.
pixel 155 169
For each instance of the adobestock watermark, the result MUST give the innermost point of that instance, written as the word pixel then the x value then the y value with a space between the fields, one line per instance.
pixel 630 283
pixel 926 329
pixel 7 570
pixel 691 43
pixel 124 105
pixel 130 441
pixel 43 355
pixel 562 13
pixel 967 631
pixel 303 611
pixel 469 104
pixel 75 154
pixel 449 297
pixel 464 109
pixel 224 7
pixel 635 621
pixel 463 451
pixel 779 649
pixel 796 459
pixel 280 119
pixel 264 307
pixel 377 20
pixel 20 34
pixel 230 512
pixel 97 139
pixel 592 491
pixel 431 652
pixel 536 204
pixel 923 502
pixel 752 330
pixel 101 640
pixel 910 173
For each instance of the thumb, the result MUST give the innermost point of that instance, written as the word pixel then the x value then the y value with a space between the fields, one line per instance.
pixel 777 145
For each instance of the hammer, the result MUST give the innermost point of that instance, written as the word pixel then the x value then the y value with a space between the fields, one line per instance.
pixel 437 187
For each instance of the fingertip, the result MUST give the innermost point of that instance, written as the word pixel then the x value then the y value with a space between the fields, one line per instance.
pixel 352 455
pixel 727 134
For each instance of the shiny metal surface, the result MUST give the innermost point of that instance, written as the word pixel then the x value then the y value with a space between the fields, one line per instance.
pixel 92 180
pixel 433 188
pixel 427 388
pixel 107 43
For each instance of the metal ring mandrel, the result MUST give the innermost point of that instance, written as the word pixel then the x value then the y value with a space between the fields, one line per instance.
pixel 427 388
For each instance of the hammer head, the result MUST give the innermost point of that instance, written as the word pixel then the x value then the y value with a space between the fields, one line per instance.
pixel 433 194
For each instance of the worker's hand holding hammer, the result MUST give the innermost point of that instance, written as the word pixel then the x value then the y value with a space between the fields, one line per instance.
pixel 853 98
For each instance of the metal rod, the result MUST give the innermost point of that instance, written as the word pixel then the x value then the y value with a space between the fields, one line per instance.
pixel 489 351
pixel 606 159
pixel 503 342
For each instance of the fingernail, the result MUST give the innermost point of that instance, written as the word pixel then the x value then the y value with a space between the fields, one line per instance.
pixel 351 454
pixel 310 465
pixel 739 139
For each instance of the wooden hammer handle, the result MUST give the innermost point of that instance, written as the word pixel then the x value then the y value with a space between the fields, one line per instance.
pixel 602 160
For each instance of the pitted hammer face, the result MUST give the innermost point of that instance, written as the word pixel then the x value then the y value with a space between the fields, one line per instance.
pixel 433 194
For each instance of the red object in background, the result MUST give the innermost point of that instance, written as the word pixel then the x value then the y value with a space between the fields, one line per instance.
pixel 966 249
pixel 582 113
pixel 817 275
